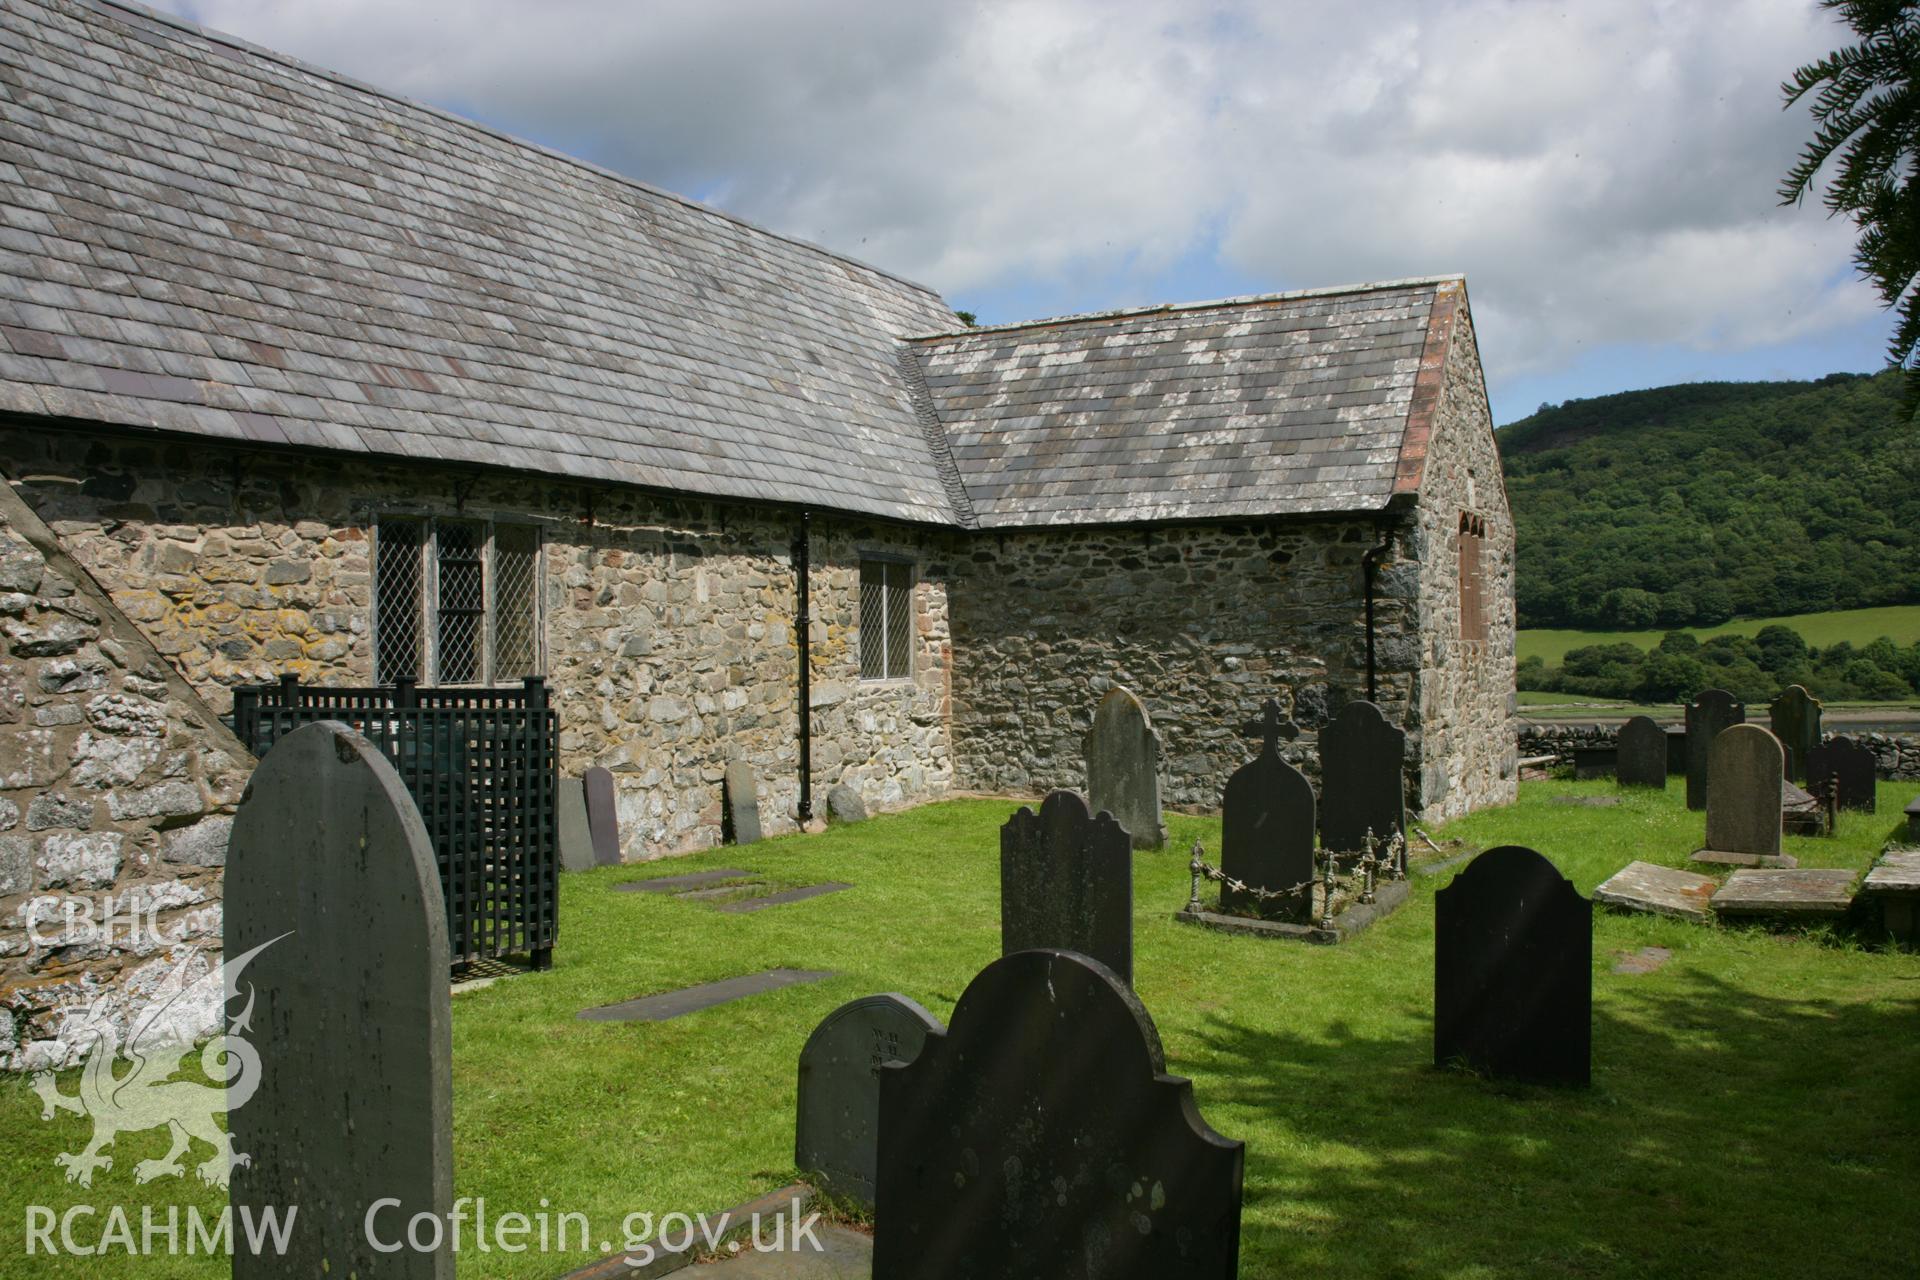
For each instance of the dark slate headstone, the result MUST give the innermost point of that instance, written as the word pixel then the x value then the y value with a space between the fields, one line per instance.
pixel 1795 716
pixel 1123 767
pixel 576 834
pixel 1362 778
pixel 1594 762
pixel 1642 758
pixel 837 1119
pixel 742 803
pixel 330 870
pixel 1744 792
pixel 845 805
pixel 1707 715
pixel 1849 767
pixel 603 822
pixel 1066 881
pixel 1041 1136
pixel 1513 970
pixel 1676 752
pixel 1266 831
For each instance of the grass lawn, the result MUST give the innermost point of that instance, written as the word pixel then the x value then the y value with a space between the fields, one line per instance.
pixel 1900 623
pixel 1753 1112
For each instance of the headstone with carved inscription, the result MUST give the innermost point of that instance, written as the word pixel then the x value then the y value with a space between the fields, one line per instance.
pixel 1066 881
pixel 1642 754
pixel 837 1120
pixel 1795 717
pixel 1709 713
pixel 1267 830
pixel 1362 778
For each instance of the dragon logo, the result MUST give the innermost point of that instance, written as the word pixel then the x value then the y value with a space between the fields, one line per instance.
pixel 147 1096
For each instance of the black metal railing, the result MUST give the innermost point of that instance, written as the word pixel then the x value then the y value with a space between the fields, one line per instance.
pixel 480 764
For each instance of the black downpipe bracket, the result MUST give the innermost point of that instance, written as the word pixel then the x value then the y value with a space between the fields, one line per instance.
pixel 1370 563
pixel 803 641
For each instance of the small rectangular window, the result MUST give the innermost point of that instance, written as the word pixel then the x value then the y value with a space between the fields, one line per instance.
pixel 456 601
pixel 886 620
pixel 1473 602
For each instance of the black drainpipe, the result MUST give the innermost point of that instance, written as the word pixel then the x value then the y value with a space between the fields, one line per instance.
pixel 803 640
pixel 1370 563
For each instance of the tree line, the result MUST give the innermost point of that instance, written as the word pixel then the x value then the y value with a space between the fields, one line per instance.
pixel 1752 668
pixel 1687 506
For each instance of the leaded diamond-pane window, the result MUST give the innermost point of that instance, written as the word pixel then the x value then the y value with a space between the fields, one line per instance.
pixel 886 620
pixel 456 601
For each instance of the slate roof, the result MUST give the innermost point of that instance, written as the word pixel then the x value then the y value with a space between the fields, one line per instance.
pixel 203 237
pixel 1285 404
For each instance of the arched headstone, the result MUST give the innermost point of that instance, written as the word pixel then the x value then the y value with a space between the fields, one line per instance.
pixel 837 1116
pixel 1642 757
pixel 1362 778
pixel 1066 881
pixel 1041 1136
pixel 1744 777
pixel 1795 716
pixel 1513 970
pixel 1123 767
pixel 1267 830
pixel 1847 766
pixel 1708 714
pixel 352 1021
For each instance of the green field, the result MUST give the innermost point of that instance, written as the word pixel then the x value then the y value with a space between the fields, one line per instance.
pixel 1752 1110
pixel 1900 623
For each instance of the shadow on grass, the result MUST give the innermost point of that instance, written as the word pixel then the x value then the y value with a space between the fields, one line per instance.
pixel 1725 1133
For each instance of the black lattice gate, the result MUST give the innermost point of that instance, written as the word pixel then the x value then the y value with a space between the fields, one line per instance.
pixel 480 763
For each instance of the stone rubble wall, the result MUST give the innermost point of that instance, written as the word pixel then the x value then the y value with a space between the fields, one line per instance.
pixel 668 622
pixel 1896 756
pixel 1202 622
pixel 116 788
pixel 1466 701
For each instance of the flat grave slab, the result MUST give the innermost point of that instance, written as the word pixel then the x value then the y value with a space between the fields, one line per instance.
pixel 1657 890
pixel 736 889
pixel 1388 898
pixel 1588 802
pixel 1645 960
pixel 1721 858
pixel 783 897
pixel 1804 891
pixel 674 1004
pixel 690 880
pixel 1897 871
pixel 844 1254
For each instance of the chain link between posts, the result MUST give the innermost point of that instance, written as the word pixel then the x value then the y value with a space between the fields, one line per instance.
pixel 1388 857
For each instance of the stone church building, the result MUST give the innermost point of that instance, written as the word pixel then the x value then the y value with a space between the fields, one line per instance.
pixel 298 377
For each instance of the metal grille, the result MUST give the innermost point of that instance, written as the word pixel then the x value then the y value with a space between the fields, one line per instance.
pixel 886 620
pixel 480 764
pixel 516 602
pixel 397 631
pixel 461 607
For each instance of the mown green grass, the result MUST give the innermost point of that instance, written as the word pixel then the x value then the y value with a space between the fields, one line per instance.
pixel 1899 623
pixel 1753 1110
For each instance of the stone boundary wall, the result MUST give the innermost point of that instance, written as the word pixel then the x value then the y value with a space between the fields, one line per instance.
pixel 116 786
pixel 1896 755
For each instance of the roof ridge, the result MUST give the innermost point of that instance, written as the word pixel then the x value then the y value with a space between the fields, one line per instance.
pixel 1171 308
pixel 936 433
pixel 132 8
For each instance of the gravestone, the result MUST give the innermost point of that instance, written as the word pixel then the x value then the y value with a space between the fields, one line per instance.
pixel 575 833
pixel 1744 775
pixel 1362 783
pixel 1266 829
pixel 845 805
pixel 1594 762
pixel 741 797
pixel 1847 766
pixel 1066 881
pixel 837 1117
pixel 603 823
pixel 1513 970
pixel 1642 759
pixel 1708 714
pixel 330 870
pixel 1795 716
pixel 1658 890
pixel 1123 767
pixel 1676 752
pixel 1041 1136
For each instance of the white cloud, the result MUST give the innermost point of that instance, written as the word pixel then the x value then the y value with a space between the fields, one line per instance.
pixel 1604 174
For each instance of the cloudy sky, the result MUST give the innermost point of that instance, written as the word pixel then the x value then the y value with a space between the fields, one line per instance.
pixel 1604 173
